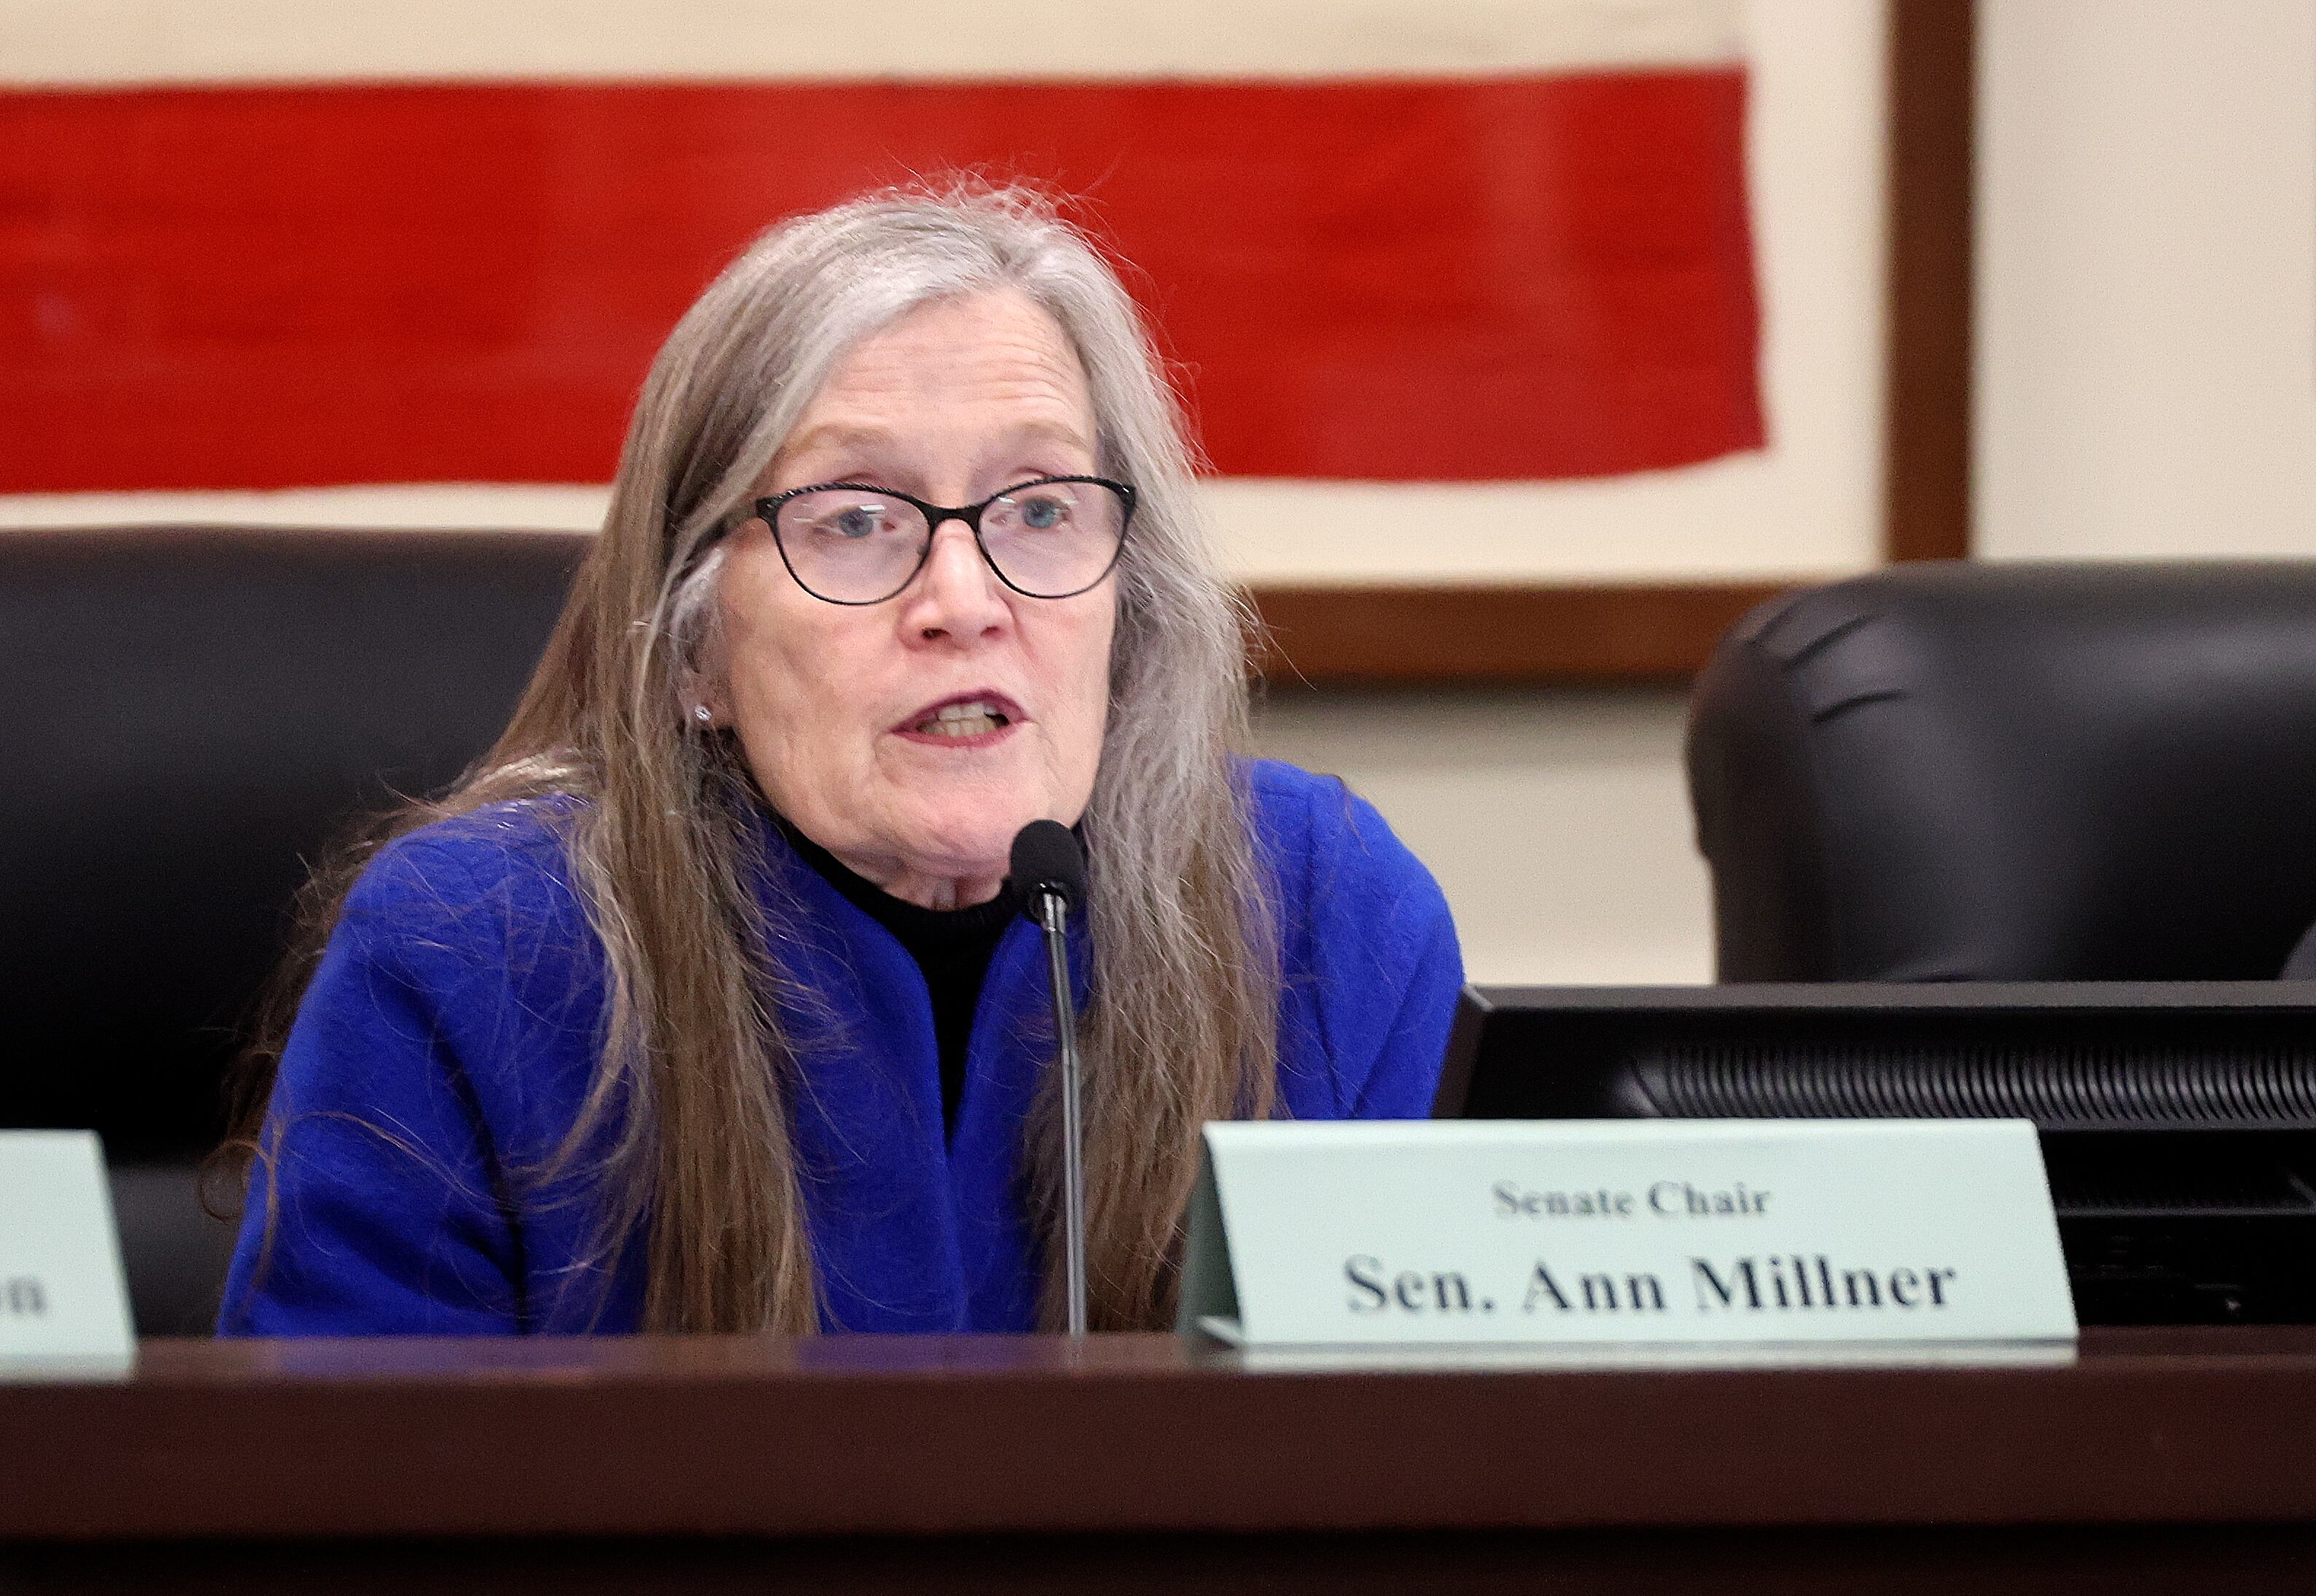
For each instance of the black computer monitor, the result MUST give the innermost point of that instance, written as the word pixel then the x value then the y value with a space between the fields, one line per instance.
pixel 2177 1118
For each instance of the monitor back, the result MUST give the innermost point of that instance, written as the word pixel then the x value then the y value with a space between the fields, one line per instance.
pixel 2178 1119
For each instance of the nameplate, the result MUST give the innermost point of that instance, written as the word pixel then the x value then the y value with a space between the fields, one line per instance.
pixel 1582 1233
pixel 64 1304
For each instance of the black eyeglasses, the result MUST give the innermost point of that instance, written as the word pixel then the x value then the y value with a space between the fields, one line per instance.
pixel 854 543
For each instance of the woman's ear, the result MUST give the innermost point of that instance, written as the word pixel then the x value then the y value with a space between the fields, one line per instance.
pixel 701 701
pixel 697 667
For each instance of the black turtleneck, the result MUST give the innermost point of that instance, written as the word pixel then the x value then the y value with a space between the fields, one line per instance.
pixel 952 948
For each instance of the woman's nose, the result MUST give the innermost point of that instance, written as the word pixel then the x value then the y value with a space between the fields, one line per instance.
pixel 956 595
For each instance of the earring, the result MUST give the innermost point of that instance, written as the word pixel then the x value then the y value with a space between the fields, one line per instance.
pixel 703 714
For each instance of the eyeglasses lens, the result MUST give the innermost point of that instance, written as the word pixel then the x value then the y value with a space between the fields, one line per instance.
pixel 850 545
pixel 1054 539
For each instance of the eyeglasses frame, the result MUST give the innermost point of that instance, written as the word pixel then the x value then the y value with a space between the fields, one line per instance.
pixel 940 515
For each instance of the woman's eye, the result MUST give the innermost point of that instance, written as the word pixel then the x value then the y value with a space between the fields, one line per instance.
pixel 859 521
pixel 1043 514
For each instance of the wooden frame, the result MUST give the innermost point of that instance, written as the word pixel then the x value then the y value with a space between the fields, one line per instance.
pixel 1663 631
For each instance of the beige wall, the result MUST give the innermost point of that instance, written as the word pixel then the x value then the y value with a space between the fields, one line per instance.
pixel 2147 278
pixel 1557 822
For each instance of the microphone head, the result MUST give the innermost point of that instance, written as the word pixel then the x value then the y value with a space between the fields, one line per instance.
pixel 1046 858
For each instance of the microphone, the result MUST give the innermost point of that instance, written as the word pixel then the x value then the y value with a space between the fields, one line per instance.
pixel 1047 859
pixel 1049 873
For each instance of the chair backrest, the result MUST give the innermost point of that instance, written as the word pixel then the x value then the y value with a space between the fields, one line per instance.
pixel 190 716
pixel 1964 771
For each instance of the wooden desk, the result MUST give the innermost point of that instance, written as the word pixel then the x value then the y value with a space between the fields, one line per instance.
pixel 2161 1460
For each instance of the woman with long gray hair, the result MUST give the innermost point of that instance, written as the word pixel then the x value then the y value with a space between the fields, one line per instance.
pixel 701 1003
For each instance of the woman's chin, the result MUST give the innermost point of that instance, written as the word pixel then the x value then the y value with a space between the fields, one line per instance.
pixel 967 847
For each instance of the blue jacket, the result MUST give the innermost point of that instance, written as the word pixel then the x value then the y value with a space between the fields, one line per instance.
pixel 451 1029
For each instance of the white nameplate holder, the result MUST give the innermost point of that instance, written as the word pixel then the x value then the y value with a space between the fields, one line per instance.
pixel 1708 1234
pixel 63 1304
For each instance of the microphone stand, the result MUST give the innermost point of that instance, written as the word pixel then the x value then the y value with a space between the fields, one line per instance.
pixel 1053 911
pixel 1049 870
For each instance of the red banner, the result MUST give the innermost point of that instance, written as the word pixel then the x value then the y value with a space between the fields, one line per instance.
pixel 1509 278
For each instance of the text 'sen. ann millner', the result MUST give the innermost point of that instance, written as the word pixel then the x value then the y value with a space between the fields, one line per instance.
pixel 1760 1282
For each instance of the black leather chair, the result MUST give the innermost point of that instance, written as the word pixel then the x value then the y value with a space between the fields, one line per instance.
pixel 1964 771
pixel 190 715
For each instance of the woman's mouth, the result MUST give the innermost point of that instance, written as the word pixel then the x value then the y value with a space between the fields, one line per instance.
pixel 966 721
